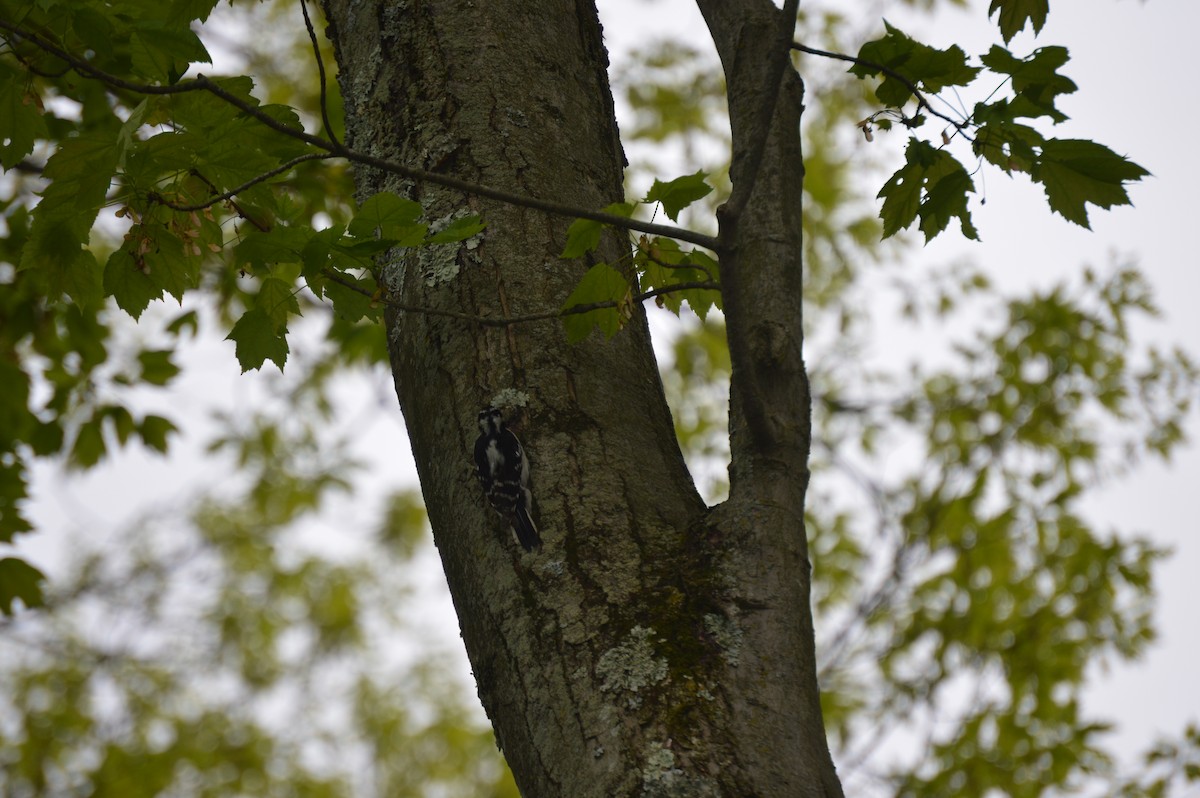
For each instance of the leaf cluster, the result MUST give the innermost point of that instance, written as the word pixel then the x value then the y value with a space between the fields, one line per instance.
pixel 125 196
pixel 235 657
pixel 657 264
pixel 933 185
pixel 994 582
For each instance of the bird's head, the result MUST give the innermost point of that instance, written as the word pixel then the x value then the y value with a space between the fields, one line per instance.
pixel 491 420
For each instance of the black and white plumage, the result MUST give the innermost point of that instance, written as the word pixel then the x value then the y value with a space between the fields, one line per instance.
pixel 504 473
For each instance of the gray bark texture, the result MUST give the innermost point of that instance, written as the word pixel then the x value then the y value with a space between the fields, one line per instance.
pixel 654 646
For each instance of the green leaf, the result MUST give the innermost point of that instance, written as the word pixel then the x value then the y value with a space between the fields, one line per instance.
pixel 1007 144
pixel 348 305
pixel 1075 172
pixel 22 111
pixel 1014 14
pixel 165 258
pixel 679 193
pixel 79 172
pixel 277 299
pixel 1035 80
pixel 316 253
pixel 163 53
pixel 155 430
pixel 929 68
pixel 157 368
pixel 269 143
pixel 901 195
pixel 385 215
pixel 281 244
pixel 458 230
pixel 127 137
pixel 201 112
pixel 46 438
pixel 583 236
pixel 13 492
pixel 121 421
pixel 946 198
pixel 363 250
pixel 20 580
pixel 191 9
pixel 256 341
pixel 189 320
pixel 88 448
pixel 932 185
pixel 701 301
pixel 129 285
pixel 15 416
pixel 227 159
pixel 662 264
pixel 76 274
pixel 169 151
pixel 602 283
pixel 95 30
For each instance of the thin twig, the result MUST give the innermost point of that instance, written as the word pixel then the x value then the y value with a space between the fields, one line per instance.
pixel 922 102
pixel 779 60
pixel 27 167
pixel 262 227
pixel 202 83
pixel 312 36
pixel 265 176
pixel 504 322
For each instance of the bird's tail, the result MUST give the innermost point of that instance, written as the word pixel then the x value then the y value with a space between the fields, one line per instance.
pixel 526 530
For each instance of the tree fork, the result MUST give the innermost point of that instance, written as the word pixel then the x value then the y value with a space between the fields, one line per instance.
pixel 652 647
pixel 770 402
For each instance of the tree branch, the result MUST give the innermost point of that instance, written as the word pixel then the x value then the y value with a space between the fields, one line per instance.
pixel 486 321
pixel 779 61
pixel 922 102
pixel 467 187
pixel 202 83
pixel 312 37
pixel 231 193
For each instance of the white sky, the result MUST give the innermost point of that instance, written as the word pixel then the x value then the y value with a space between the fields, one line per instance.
pixel 1134 64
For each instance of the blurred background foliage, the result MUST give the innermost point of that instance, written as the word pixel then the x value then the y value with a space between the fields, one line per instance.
pixel 262 635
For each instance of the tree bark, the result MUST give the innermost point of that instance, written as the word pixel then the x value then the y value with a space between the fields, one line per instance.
pixel 652 647
pixel 778 697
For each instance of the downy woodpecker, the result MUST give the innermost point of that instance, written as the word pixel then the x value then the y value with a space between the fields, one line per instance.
pixel 504 474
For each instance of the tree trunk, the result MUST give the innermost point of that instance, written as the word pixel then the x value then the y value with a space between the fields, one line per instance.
pixel 652 646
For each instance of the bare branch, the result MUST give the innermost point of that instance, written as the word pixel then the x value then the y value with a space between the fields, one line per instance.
pixel 487 321
pixel 467 187
pixel 312 37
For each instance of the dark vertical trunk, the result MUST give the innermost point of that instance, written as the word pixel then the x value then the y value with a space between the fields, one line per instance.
pixel 646 650
pixel 778 698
